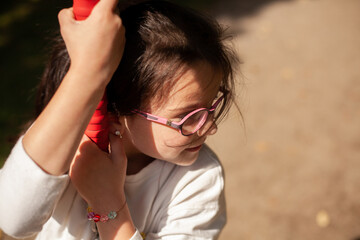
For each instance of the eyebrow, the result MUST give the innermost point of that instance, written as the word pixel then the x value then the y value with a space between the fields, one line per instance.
pixel 186 108
pixel 192 106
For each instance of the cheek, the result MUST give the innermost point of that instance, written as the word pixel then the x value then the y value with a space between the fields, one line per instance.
pixel 139 133
pixel 156 140
pixel 171 146
pixel 169 141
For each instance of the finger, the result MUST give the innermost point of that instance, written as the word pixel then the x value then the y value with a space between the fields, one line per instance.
pixel 87 146
pixel 84 147
pixel 115 129
pixel 66 16
pixel 84 139
pixel 106 5
pixel 114 125
pixel 117 152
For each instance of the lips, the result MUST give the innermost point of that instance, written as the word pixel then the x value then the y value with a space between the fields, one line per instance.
pixel 194 149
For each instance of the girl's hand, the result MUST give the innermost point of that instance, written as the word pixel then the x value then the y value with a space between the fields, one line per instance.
pixel 99 177
pixel 95 45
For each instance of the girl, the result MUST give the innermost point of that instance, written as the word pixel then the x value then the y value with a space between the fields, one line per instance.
pixel 173 83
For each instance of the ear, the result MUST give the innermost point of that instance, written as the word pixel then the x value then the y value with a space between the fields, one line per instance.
pixel 116 123
pixel 122 123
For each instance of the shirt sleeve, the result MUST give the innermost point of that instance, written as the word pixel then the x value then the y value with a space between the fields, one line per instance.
pixel 28 195
pixel 197 209
pixel 136 236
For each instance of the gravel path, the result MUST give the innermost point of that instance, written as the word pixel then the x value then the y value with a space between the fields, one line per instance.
pixel 293 172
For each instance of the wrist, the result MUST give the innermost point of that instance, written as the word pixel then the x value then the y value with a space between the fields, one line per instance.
pixel 114 225
pixel 104 217
pixel 89 78
pixel 104 205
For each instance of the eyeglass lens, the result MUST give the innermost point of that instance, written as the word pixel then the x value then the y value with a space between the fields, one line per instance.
pixel 194 122
pixel 199 120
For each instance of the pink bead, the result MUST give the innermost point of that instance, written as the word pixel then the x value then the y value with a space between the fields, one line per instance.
pixel 104 219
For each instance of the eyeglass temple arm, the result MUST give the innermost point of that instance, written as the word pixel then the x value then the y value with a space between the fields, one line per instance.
pixel 216 103
pixel 156 118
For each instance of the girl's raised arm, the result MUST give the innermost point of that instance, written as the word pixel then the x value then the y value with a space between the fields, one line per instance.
pixel 95 47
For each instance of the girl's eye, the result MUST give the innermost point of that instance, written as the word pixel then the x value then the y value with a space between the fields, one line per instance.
pixel 179 117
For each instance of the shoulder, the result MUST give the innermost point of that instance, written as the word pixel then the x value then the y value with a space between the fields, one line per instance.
pixel 207 160
pixel 207 165
pixel 192 201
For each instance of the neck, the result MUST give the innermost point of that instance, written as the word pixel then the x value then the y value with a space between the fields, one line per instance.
pixel 137 163
pixel 136 159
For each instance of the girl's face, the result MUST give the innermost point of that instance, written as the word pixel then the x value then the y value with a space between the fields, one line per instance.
pixel 196 88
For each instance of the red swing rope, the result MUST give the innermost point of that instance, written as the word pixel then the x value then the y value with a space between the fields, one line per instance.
pixel 98 128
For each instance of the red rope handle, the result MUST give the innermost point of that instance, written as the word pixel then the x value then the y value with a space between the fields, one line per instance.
pixel 98 128
pixel 82 8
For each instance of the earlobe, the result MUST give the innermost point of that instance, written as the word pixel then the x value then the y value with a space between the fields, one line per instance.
pixel 121 123
pixel 116 125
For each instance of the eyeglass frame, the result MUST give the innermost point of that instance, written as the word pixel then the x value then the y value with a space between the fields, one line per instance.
pixel 178 125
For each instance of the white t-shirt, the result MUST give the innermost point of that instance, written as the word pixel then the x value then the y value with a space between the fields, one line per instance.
pixel 166 201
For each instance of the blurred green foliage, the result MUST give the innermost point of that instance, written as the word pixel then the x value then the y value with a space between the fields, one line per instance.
pixel 26 28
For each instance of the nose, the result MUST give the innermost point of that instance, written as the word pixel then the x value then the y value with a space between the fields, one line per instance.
pixel 208 129
pixel 213 129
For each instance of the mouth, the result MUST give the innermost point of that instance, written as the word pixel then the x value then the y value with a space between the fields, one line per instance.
pixel 194 149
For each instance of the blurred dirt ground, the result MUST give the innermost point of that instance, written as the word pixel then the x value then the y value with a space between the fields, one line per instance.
pixel 293 172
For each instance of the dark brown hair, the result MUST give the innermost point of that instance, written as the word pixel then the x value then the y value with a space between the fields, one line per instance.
pixel 161 38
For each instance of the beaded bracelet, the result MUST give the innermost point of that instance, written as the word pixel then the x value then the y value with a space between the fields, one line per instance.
pixel 92 216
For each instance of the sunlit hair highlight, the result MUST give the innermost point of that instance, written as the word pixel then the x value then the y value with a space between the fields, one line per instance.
pixel 161 38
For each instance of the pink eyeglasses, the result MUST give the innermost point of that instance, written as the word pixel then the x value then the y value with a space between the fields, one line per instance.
pixel 189 124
